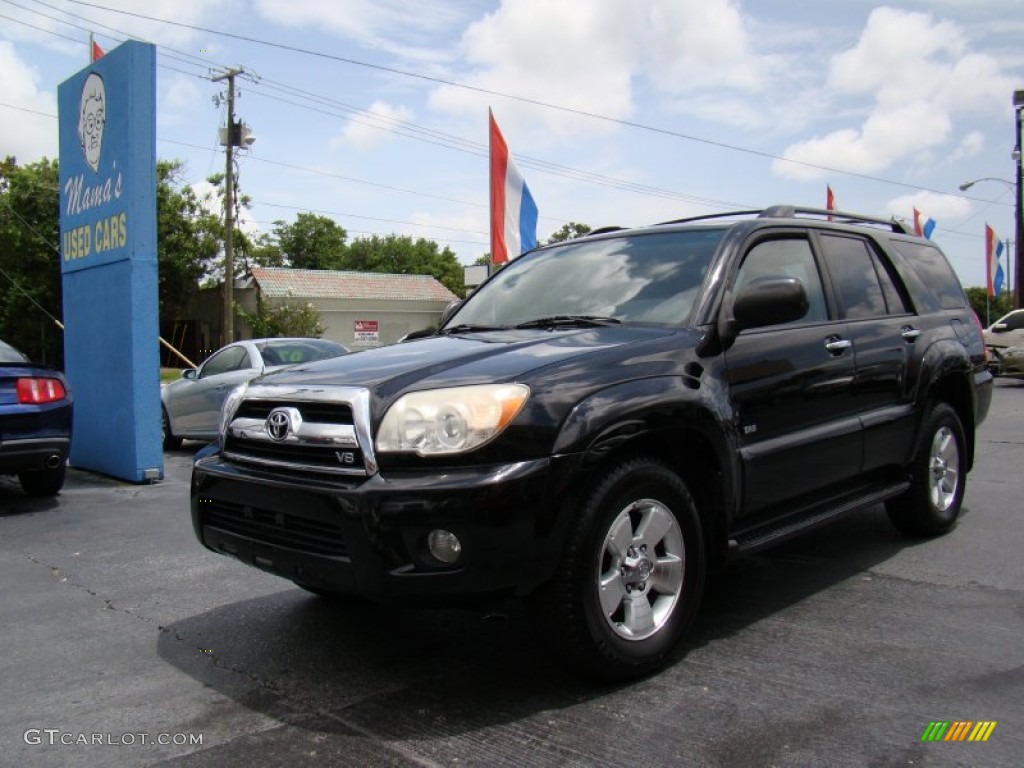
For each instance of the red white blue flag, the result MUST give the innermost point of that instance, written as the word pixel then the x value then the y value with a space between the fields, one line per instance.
pixel 513 211
pixel 993 269
pixel 830 200
pixel 923 229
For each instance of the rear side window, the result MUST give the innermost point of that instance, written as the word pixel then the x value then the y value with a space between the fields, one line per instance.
pixel 864 286
pixel 936 285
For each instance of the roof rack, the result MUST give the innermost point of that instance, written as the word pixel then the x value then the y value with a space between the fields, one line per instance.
pixel 707 216
pixel 791 212
pixel 603 230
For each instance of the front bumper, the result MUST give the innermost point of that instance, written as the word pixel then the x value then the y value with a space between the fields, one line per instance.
pixel 368 536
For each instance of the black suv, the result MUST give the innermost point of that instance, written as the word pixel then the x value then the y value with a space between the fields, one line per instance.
pixel 606 419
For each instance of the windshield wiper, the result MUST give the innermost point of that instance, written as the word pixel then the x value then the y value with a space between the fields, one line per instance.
pixel 587 321
pixel 472 328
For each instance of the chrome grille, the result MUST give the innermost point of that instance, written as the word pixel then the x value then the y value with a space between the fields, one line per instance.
pixel 322 430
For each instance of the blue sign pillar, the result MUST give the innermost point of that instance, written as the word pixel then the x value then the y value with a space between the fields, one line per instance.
pixel 108 262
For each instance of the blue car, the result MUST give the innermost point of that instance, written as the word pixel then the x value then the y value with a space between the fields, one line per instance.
pixel 35 423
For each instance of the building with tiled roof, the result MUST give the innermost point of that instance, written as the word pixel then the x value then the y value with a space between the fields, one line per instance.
pixel 278 282
pixel 357 309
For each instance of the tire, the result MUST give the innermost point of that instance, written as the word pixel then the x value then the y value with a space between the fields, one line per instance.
pixel 631 576
pixel 938 474
pixel 171 443
pixel 43 483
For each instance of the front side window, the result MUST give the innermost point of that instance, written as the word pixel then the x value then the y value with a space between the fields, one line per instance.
pixel 230 359
pixel 1014 321
pixel 786 257
pixel 652 278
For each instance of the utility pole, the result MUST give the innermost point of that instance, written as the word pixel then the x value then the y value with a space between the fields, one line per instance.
pixel 1018 286
pixel 229 208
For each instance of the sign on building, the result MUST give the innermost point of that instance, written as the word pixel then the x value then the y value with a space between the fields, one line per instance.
pixel 366 333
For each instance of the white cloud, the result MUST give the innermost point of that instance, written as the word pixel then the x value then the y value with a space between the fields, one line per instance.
pixel 589 55
pixel 970 146
pixel 922 78
pixel 889 134
pixel 177 103
pixel 369 131
pixel 388 25
pixel 24 132
pixel 941 208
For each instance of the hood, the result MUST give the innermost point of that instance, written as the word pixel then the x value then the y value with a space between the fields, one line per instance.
pixel 467 358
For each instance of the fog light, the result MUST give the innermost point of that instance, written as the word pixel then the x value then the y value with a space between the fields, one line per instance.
pixel 444 545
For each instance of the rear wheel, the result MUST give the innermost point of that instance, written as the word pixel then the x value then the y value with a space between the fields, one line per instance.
pixel 171 443
pixel 43 482
pixel 938 472
pixel 632 575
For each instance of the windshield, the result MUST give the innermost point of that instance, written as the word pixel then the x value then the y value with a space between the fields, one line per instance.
pixel 651 278
pixel 292 351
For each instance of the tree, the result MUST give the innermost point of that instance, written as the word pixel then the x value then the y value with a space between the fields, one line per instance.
pixel 265 252
pixel 288 319
pixel 311 242
pixel 401 255
pixel 988 309
pixel 30 283
pixel 189 239
pixel 569 231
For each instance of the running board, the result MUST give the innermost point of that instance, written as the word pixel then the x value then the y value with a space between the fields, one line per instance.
pixel 780 529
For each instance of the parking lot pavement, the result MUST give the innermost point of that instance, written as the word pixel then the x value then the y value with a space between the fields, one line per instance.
pixel 839 649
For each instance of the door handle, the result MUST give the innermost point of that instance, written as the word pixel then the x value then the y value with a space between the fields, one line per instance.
pixel 909 333
pixel 837 346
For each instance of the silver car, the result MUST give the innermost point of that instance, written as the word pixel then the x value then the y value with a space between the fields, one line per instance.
pixel 191 405
pixel 1005 342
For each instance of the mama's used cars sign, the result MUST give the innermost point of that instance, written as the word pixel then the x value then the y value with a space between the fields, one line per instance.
pixel 108 261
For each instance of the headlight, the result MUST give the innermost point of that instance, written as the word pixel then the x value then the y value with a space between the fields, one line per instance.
pixel 227 410
pixel 446 421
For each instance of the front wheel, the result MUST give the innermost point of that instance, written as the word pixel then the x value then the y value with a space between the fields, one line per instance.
pixel 632 574
pixel 938 473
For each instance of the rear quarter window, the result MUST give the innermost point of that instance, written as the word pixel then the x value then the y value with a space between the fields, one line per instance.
pixel 932 282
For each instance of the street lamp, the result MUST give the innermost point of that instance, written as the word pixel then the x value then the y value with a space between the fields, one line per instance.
pixel 1012 272
pixel 968 184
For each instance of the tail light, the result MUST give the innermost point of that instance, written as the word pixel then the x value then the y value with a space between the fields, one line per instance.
pixel 981 333
pixel 40 391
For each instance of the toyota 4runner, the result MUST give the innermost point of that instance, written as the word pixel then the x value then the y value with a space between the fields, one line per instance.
pixel 606 419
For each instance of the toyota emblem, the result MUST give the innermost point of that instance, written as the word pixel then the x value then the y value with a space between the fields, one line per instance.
pixel 279 424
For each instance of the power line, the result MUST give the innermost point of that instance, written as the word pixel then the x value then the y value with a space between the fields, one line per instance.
pixel 459 144
pixel 512 97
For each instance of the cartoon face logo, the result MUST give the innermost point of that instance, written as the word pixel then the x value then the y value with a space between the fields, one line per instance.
pixel 92 116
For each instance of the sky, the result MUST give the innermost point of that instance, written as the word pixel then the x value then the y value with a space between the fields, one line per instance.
pixel 374 112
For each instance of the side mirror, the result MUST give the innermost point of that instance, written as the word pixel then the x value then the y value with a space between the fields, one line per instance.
pixel 190 374
pixel 770 301
pixel 421 334
pixel 1000 328
pixel 450 310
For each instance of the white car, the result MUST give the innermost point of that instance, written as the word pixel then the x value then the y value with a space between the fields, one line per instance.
pixel 191 405
pixel 1005 342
